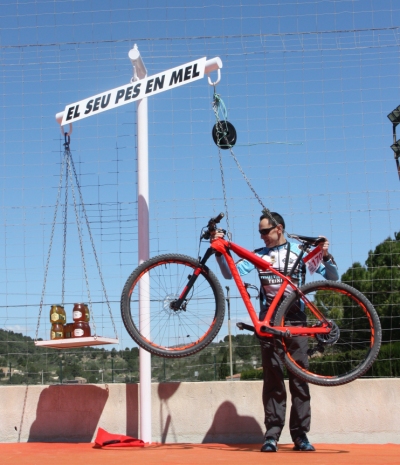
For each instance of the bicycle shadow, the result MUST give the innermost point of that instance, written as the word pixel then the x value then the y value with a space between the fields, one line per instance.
pixel 228 427
pixel 132 410
pixel 63 417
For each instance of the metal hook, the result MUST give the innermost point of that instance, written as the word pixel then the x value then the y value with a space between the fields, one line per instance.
pixel 218 79
pixel 66 133
pixel 67 140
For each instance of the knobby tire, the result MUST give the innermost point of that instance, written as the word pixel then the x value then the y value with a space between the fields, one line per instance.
pixel 358 341
pixel 168 332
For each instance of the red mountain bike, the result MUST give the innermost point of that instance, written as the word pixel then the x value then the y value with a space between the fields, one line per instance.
pixel 183 308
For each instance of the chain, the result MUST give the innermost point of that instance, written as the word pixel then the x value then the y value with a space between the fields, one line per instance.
pixel 80 240
pixel 65 215
pixel 219 107
pixel 265 210
pixel 93 247
pixel 69 163
pixel 51 244
pixel 224 191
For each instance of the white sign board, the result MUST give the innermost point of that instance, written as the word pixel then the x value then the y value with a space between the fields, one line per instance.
pixel 314 259
pixel 137 90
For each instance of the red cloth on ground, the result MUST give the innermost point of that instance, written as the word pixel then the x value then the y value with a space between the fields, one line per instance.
pixel 108 440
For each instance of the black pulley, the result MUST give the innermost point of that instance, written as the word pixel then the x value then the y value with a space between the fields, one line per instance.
pixel 224 134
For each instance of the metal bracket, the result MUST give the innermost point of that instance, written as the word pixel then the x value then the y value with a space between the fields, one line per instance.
pixel 218 78
pixel 66 133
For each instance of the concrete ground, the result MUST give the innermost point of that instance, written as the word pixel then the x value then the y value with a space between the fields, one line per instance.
pixel 175 454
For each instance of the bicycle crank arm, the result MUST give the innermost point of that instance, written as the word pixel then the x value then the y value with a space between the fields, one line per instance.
pixel 275 332
pixel 264 329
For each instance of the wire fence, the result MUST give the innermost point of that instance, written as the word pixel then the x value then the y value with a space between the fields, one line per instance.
pixel 308 87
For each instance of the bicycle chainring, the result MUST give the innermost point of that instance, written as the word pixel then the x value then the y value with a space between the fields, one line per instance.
pixel 331 338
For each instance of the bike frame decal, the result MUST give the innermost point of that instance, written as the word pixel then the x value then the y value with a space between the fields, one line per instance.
pixel 222 246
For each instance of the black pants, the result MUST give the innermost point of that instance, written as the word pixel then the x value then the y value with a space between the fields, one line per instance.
pixel 274 392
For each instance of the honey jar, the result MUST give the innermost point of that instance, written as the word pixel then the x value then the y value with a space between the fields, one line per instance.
pixel 68 330
pixel 57 314
pixel 81 329
pixel 81 313
pixel 57 331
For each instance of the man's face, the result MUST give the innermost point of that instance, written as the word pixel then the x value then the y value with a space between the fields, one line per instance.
pixel 275 235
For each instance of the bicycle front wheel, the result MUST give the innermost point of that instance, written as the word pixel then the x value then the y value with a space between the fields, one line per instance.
pixel 161 328
pixel 351 347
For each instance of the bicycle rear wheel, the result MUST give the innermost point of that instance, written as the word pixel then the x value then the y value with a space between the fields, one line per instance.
pixel 353 344
pixel 164 330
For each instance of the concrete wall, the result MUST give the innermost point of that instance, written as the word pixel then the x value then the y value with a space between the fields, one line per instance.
pixel 365 411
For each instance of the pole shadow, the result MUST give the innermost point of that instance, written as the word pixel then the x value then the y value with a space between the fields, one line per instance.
pixel 68 413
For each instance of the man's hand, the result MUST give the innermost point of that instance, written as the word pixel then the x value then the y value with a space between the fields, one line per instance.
pixel 325 246
pixel 218 233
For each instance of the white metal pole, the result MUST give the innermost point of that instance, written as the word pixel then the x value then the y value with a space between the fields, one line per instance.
pixel 228 301
pixel 140 72
pixel 144 251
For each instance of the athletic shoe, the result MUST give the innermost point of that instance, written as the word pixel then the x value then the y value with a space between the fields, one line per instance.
pixel 269 445
pixel 302 443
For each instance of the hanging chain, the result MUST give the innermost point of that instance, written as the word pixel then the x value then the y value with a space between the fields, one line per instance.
pixel 68 163
pixel 65 215
pixel 93 247
pixel 224 191
pixel 51 244
pixel 67 141
pixel 265 210
pixel 219 107
pixel 80 239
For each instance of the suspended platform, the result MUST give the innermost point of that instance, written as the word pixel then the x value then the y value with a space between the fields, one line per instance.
pixel 73 343
pixel 68 172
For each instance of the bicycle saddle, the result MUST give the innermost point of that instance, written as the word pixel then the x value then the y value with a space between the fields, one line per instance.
pixel 313 241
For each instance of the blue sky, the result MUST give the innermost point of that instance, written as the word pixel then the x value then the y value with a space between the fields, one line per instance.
pixel 308 86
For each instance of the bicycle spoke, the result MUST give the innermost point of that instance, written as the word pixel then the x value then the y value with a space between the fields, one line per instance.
pixel 349 350
pixel 174 329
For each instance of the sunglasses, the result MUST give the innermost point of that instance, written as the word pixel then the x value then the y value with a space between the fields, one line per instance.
pixel 266 231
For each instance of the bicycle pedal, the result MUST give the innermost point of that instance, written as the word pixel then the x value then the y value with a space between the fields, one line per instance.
pixel 243 326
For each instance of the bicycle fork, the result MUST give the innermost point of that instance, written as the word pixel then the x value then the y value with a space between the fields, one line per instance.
pixel 180 303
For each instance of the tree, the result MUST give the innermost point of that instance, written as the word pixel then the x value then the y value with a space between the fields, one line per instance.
pixel 246 345
pixel 223 371
pixel 379 281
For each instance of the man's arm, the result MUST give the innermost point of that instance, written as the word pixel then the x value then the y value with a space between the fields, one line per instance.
pixel 226 272
pixel 243 266
pixel 328 269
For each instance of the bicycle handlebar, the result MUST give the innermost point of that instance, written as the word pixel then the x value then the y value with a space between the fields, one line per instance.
pixel 217 219
pixel 211 226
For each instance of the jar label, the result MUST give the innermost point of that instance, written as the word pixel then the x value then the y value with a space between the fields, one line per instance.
pixel 56 335
pixel 77 314
pixel 54 317
pixel 78 332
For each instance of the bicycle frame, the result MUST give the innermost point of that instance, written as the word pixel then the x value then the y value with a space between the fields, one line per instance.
pixel 264 328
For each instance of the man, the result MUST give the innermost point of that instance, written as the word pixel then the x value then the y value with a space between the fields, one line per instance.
pixel 282 254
